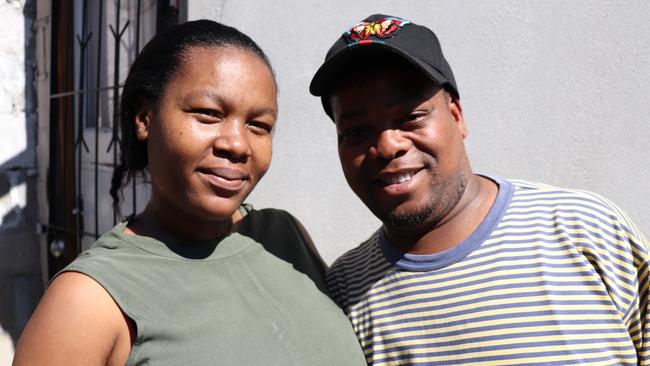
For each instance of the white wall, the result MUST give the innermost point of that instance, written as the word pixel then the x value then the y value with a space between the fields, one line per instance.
pixel 553 91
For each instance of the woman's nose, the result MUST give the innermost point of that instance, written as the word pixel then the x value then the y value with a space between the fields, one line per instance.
pixel 232 140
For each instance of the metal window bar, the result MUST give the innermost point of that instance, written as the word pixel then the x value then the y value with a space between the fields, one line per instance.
pixel 83 40
pixel 115 139
pixel 79 148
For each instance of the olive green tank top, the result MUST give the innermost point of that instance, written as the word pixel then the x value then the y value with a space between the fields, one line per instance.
pixel 254 298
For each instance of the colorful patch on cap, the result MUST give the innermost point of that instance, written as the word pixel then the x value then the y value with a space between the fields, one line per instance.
pixel 383 28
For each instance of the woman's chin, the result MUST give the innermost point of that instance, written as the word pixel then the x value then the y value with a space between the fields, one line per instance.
pixel 218 209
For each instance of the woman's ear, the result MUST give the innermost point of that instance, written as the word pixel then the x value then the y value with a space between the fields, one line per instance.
pixel 142 119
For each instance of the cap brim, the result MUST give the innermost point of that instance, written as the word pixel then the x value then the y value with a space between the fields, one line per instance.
pixel 327 74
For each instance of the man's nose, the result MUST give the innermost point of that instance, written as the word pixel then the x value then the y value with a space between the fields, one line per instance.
pixel 390 144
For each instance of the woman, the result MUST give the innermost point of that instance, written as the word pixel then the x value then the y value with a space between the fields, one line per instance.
pixel 197 277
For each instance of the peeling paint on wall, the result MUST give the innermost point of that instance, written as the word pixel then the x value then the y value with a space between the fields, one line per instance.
pixel 17 118
pixel 13 202
pixel 21 282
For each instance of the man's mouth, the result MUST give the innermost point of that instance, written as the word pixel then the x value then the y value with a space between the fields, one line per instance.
pixel 397 178
pixel 399 181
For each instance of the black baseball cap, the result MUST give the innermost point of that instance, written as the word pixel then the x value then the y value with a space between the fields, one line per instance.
pixel 415 43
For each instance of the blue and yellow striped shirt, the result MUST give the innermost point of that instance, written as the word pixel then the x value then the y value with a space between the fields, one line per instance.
pixel 550 277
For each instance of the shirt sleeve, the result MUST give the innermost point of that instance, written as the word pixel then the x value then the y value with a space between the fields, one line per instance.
pixel 636 316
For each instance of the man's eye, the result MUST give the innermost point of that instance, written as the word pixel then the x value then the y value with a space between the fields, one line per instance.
pixel 415 117
pixel 354 134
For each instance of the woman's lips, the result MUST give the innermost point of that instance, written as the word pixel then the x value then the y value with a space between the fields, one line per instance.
pixel 224 179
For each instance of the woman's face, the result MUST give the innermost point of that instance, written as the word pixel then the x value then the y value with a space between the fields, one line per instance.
pixel 209 138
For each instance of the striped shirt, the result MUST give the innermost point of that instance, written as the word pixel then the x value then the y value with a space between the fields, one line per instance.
pixel 550 277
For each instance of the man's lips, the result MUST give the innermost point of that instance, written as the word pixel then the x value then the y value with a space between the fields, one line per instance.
pixel 398 181
pixel 396 176
pixel 224 179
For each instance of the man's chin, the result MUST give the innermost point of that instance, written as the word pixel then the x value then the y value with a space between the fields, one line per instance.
pixel 407 219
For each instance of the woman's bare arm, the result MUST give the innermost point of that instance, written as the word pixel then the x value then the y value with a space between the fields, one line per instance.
pixel 76 323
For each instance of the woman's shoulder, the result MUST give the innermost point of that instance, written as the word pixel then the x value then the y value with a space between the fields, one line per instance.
pixel 76 316
pixel 268 214
pixel 282 235
pixel 270 223
pixel 108 250
pixel 112 262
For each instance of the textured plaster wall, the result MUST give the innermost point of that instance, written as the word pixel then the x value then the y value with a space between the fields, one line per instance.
pixel 20 272
pixel 553 91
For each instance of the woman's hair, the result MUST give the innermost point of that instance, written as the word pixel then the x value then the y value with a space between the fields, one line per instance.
pixel 148 78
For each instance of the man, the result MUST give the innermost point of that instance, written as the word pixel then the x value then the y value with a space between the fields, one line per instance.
pixel 466 268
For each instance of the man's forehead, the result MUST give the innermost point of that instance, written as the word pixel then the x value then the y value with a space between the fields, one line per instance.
pixel 393 82
pixel 358 97
pixel 378 76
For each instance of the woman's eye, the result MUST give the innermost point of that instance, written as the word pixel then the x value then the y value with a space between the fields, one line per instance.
pixel 260 127
pixel 206 113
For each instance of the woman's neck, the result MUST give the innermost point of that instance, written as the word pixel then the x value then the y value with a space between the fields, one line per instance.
pixel 166 224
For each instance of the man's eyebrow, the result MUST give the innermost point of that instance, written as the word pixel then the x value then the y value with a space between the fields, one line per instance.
pixel 352 114
pixel 411 101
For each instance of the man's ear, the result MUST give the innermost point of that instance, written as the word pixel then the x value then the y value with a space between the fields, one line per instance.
pixel 456 110
pixel 143 117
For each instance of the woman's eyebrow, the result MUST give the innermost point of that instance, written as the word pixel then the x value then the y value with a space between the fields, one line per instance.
pixel 220 99
pixel 203 95
pixel 265 110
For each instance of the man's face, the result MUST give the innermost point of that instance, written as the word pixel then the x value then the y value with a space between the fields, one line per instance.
pixel 401 145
